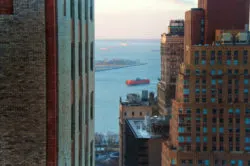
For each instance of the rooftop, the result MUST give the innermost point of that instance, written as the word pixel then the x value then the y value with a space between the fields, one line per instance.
pixel 149 127
pixel 135 99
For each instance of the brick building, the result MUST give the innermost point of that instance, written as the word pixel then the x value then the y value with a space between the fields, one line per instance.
pixel 230 14
pixel 210 122
pixel 47 82
pixel 172 50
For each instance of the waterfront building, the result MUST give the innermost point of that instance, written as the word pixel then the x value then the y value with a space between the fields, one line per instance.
pixel 47 82
pixel 210 122
pixel 172 50
pixel 144 138
pixel 135 106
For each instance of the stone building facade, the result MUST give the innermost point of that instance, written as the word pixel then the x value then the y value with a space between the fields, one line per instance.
pixel 172 50
pixel 47 82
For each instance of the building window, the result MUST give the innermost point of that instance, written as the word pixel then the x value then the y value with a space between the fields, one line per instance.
pixel 125 113
pixel 213 72
pixel 186 91
pixel 187 72
pixel 64 8
pixel 80 59
pixel 246 81
pixel 221 129
pixel 133 113
pixel 140 113
pixel 247 120
pixel 196 59
pixel 86 10
pixel 91 10
pixel 72 8
pixel 86 57
pixel 203 82
pixel 92 105
pixel 205 111
pixel 72 61
pixel 6 7
pixel 80 9
pixel 91 152
pixel 245 56
pixel 92 56
pixel 245 72
pixel 214 128
pixel 219 57
pixel 213 82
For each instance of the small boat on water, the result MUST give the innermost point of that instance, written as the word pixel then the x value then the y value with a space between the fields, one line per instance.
pixel 137 81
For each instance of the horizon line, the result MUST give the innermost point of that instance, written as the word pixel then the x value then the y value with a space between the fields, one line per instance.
pixel 127 38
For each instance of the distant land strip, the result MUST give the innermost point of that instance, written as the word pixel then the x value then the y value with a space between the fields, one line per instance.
pixel 99 68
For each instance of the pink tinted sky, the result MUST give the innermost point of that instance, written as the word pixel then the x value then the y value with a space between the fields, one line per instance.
pixel 137 19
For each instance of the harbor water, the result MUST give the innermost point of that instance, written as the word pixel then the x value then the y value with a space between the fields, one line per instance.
pixel 110 85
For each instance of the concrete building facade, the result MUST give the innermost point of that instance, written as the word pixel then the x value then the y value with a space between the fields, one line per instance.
pixel 210 114
pixel 47 82
pixel 172 50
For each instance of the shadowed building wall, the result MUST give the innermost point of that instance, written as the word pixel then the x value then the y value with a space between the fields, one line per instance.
pixel 47 82
pixel 172 45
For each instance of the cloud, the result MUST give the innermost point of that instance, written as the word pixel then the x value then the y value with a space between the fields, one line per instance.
pixel 137 18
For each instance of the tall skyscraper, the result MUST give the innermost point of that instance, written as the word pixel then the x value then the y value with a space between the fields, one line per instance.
pixel 172 46
pixel 47 82
pixel 210 122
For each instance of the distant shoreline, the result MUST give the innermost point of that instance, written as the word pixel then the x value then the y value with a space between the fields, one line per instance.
pixel 118 67
pixel 156 39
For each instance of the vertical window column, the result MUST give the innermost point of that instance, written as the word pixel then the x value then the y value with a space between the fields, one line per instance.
pixel 91 10
pixel 73 125
pixel 81 97
pixel 92 56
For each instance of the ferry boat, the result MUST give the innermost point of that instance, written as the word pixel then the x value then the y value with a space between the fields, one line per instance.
pixel 137 81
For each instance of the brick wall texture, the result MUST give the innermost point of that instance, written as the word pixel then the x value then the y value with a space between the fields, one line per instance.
pixel 23 85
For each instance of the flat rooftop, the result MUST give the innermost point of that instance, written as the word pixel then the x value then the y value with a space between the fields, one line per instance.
pixel 144 131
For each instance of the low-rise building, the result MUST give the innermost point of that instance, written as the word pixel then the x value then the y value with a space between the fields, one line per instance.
pixel 144 139
pixel 135 106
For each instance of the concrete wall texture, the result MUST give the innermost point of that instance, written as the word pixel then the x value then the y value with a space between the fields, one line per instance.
pixel 46 47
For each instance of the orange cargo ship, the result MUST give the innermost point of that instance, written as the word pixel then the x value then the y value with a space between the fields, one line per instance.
pixel 137 81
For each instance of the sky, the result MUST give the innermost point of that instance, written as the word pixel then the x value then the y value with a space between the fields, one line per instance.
pixel 137 19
